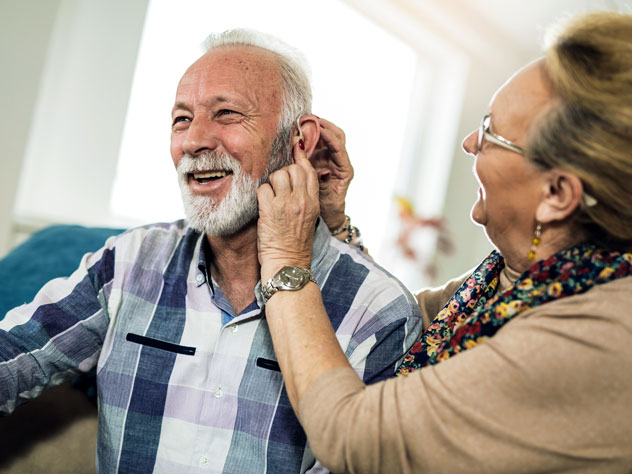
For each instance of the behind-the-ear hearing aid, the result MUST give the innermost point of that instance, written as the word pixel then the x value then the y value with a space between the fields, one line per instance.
pixel 299 135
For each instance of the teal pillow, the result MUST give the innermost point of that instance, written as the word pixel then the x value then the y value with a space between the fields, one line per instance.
pixel 49 253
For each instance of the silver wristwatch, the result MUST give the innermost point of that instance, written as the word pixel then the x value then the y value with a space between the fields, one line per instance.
pixel 288 278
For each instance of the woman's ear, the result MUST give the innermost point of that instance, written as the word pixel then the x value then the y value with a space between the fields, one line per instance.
pixel 310 131
pixel 562 195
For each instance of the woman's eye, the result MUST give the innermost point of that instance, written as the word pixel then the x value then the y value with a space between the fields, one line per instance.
pixel 226 112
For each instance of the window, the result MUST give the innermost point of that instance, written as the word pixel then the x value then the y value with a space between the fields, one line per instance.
pixel 363 79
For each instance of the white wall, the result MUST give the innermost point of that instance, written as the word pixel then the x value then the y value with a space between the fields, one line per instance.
pixel 25 30
pixel 75 131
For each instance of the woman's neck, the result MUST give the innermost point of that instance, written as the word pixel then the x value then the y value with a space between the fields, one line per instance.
pixel 553 239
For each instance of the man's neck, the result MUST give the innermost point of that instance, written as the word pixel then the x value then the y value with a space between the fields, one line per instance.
pixel 235 265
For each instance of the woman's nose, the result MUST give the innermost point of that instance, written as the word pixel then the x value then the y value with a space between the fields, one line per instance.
pixel 470 143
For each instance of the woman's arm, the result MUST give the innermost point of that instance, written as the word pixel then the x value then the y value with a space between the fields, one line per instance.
pixel 304 341
pixel 550 392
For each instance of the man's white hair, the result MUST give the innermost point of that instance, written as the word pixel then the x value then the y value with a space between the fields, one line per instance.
pixel 295 73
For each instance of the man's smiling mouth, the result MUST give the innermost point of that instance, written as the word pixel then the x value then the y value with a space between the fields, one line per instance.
pixel 208 176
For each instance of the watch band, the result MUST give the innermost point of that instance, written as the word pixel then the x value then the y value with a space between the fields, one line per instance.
pixel 288 278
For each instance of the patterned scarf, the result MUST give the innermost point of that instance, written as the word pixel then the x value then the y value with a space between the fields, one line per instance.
pixel 475 312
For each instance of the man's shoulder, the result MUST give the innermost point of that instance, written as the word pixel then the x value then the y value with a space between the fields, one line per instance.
pixel 375 317
pixel 156 239
pixel 156 232
pixel 353 261
pixel 356 274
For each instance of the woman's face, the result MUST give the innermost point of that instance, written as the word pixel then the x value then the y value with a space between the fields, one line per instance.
pixel 511 187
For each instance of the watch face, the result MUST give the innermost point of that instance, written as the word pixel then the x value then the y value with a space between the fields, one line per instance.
pixel 291 277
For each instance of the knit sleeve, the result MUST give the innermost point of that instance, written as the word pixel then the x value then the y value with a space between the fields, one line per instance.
pixel 550 392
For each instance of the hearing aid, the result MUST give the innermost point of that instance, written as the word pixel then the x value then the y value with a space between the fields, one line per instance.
pixel 298 137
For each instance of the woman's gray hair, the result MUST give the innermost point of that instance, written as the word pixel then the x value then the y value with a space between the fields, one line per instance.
pixel 297 94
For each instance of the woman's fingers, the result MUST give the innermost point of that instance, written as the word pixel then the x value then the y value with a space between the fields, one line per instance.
pixel 265 193
pixel 280 182
pixel 331 152
pixel 335 140
pixel 334 173
pixel 335 136
pixel 298 177
pixel 331 127
pixel 307 176
pixel 288 208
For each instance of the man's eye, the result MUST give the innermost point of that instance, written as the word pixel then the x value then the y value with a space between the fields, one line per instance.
pixel 226 112
pixel 180 118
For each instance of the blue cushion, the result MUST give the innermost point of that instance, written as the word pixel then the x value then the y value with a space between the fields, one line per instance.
pixel 49 253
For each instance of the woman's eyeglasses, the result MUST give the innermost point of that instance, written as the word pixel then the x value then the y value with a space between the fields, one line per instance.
pixel 485 132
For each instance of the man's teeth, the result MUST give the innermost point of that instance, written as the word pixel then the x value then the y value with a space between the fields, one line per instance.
pixel 210 174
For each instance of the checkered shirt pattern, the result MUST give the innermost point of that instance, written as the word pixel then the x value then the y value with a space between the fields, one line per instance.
pixel 184 385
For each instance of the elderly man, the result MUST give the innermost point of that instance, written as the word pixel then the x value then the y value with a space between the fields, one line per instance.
pixel 172 314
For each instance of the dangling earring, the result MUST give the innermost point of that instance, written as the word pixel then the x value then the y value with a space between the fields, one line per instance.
pixel 535 241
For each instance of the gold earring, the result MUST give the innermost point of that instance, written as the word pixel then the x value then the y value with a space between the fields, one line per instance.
pixel 535 241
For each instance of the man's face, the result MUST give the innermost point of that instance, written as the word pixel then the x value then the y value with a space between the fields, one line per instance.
pixel 224 122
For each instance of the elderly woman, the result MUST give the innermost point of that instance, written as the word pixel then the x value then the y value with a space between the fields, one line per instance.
pixel 525 363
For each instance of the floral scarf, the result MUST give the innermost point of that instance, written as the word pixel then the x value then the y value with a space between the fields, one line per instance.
pixel 475 312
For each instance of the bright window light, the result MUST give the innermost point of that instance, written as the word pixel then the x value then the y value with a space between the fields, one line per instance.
pixel 362 78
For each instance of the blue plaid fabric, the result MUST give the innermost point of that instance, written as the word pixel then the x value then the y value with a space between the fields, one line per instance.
pixel 184 384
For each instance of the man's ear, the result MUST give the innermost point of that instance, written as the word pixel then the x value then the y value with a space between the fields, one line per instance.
pixel 310 127
pixel 562 195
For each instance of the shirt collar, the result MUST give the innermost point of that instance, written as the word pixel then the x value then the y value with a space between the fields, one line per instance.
pixel 203 274
pixel 321 239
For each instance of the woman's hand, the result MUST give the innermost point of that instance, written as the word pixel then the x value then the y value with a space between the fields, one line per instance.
pixel 331 161
pixel 304 341
pixel 288 209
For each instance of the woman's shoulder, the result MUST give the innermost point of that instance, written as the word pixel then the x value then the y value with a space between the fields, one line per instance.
pixel 431 300
pixel 607 301
pixel 596 321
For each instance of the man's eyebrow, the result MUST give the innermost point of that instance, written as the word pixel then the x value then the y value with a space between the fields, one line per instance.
pixel 181 106
pixel 220 99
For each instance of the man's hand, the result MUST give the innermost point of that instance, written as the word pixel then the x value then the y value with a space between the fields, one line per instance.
pixel 331 161
pixel 288 209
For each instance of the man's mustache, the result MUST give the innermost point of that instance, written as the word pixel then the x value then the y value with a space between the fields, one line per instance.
pixel 209 161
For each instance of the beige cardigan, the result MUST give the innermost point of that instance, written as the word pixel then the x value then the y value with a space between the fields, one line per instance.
pixel 550 392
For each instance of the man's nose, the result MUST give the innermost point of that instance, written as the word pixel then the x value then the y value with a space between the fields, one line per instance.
pixel 200 138
pixel 470 143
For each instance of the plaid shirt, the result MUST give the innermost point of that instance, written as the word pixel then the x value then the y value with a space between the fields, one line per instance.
pixel 185 385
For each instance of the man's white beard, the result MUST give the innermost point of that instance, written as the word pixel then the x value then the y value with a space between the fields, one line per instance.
pixel 204 213
pixel 239 207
